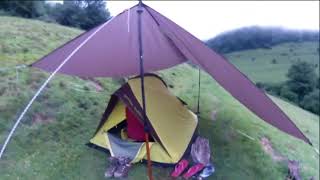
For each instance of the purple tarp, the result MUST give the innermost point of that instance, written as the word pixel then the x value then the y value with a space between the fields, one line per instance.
pixel 113 51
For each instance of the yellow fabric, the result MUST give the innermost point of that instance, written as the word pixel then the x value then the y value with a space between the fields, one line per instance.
pixel 117 116
pixel 172 121
pixel 124 134
pixel 157 154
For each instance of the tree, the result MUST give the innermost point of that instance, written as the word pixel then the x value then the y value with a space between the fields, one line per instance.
pixel 27 9
pixel 96 13
pixel 84 14
pixel 302 79
pixel 311 101
pixel 286 93
pixel 69 13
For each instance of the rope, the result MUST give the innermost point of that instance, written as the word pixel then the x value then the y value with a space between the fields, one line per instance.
pixel 44 85
pixel 199 87
pixel 316 150
pixel 243 134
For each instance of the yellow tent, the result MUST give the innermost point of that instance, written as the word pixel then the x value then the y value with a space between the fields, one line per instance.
pixel 172 124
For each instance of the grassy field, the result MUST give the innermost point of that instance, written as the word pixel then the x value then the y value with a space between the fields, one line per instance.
pixel 271 65
pixel 49 144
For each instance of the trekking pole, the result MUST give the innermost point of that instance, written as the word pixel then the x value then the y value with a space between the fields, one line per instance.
pixel 146 128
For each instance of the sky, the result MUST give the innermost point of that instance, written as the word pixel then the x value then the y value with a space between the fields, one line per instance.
pixel 206 19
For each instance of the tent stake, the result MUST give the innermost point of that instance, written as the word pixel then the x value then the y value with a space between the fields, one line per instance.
pixel 146 128
pixel 44 85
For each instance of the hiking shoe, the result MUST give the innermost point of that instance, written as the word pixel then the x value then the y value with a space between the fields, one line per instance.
pixel 179 168
pixel 193 170
pixel 113 164
pixel 123 168
pixel 124 160
pixel 207 171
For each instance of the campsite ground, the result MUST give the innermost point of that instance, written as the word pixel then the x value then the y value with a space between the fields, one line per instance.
pixel 49 144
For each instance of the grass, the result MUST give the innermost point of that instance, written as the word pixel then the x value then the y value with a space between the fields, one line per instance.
pixel 54 147
pixel 271 65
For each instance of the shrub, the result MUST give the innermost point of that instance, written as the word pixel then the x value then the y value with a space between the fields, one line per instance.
pixel 311 102
pixel 302 79
pixel 286 93
pixel 272 88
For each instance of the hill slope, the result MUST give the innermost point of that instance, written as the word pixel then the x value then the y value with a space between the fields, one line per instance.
pixel 272 65
pixel 49 144
pixel 255 37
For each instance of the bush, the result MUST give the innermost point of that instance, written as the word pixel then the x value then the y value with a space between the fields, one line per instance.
pixel 3 13
pixel 273 89
pixel 311 102
pixel 84 14
pixel 302 79
pixel 302 88
pixel 287 94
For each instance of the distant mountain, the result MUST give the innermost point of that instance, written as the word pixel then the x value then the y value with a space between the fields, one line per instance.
pixel 254 37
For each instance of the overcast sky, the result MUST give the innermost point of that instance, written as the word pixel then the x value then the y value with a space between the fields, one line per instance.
pixel 205 19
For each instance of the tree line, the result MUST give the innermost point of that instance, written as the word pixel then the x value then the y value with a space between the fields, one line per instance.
pixel 83 14
pixel 254 37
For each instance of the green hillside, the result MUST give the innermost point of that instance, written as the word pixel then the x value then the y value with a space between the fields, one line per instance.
pixel 49 143
pixel 271 65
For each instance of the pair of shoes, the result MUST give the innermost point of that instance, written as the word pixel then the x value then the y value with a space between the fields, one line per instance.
pixel 193 170
pixel 179 168
pixel 118 168
pixel 112 167
pixel 182 165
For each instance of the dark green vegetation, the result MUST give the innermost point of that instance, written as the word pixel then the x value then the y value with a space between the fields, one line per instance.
pixel 280 70
pixel 49 144
pixel 255 37
pixel 301 88
pixel 84 14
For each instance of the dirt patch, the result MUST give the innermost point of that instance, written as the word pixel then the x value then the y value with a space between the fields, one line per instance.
pixel 41 118
pixel 293 165
pixel 267 147
pixel 95 83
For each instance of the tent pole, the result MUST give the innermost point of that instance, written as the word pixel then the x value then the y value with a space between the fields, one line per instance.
pixel 146 128
pixel 44 85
